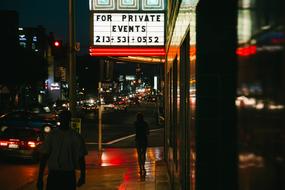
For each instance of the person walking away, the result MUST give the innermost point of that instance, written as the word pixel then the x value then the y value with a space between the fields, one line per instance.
pixel 63 151
pixel 141 138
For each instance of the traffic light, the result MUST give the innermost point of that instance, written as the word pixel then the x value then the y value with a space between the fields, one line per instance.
pixel 58 49
pixel 57 43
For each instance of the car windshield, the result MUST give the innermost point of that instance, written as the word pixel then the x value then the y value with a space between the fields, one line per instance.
pixel 22 134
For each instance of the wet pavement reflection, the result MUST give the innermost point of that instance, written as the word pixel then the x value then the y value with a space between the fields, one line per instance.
pixel 16 174
pixel 258 172
pixel 124 169
pixel 117 168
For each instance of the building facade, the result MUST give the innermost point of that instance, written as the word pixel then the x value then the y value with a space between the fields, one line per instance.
pixel 224 94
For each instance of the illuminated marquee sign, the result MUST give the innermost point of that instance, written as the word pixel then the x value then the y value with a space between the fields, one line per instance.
pixel 128 29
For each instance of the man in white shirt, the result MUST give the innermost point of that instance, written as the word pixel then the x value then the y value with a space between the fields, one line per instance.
pixel 64 151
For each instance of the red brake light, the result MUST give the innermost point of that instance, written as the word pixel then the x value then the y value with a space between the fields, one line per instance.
pixel 3 143
pixel 31 144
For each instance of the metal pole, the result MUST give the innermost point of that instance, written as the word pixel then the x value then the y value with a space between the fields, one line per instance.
pixel 100 121
pixel 72 60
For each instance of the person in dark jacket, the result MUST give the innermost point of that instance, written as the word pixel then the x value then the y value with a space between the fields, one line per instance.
pixel 64 152
pixel 142 132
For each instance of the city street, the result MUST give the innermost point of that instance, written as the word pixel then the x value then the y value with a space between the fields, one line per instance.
pixel 117 132
pixel 117 125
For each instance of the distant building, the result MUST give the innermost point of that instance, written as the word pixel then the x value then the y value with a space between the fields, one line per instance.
pixel 34 39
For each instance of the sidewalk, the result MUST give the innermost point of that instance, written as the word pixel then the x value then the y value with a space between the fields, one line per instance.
pixel 118 169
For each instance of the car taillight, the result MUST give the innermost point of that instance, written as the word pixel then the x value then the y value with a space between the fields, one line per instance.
pixel 32 144
pixel 3 143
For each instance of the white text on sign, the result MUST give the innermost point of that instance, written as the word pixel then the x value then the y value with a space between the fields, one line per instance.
pixel 128 29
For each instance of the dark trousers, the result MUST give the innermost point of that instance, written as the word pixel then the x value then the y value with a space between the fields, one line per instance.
pixel 61 180
pixel 141 150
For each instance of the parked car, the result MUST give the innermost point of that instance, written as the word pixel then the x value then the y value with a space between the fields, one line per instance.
pixel 20 142
pixel 27 119
pixel 43 111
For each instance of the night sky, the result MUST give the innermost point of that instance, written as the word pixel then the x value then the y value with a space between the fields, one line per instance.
pixel 52 15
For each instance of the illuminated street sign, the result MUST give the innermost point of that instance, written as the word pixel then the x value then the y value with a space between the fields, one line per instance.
pixel 128 29
pixel 54 86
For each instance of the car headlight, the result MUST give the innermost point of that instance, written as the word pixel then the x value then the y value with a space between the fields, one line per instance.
pixel 47 129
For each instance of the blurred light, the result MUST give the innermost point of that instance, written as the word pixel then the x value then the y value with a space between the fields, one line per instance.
pixel 111 160
pixel 22 37
pixel 155 82
pixel 275 107
pixel 47 129
pixel 192 99
pixel 31 144
pixel 146 59
pixel 56 44
pixel 266 27
pixel 259 106
pixel 91 101
pixel 246 4
pixel 3 128
pixel 250 160
pixel 270 48
pixel 244 101
pixel 3 143
pixel 246 51
pixel 46 84
pixel 130 77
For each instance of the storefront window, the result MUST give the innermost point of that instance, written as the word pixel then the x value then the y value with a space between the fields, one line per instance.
pixel 260 95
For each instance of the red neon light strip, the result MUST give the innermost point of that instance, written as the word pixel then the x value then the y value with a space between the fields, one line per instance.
pixel 127 54
pixel 127 51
